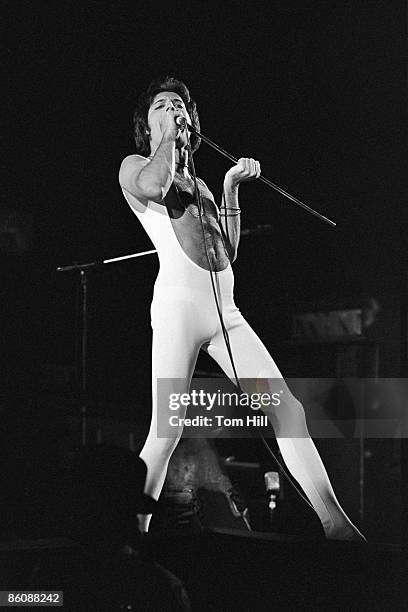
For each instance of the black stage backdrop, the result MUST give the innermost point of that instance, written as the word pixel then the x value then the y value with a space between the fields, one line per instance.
pixel 312 89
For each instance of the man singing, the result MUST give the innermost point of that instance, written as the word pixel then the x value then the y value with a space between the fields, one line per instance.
pixel 193 236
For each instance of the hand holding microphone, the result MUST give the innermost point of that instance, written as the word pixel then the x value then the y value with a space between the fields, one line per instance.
pixel 172 125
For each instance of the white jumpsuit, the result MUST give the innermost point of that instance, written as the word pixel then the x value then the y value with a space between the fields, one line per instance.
pixel 184 320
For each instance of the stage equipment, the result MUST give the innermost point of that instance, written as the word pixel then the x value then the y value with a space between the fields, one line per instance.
pixel 83 270
pixel 328 324
pixel 199 492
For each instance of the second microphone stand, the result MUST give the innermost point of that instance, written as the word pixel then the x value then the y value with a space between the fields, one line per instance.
pixel 83 270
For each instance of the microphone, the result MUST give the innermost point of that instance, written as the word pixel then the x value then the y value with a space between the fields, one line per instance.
pixel 181 122
pixel 272 486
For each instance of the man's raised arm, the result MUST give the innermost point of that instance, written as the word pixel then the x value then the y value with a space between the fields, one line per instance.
pixel 245 170
pixel 151 180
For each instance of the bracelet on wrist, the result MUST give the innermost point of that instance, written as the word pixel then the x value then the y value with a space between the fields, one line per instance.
pixel 230 208
pixel 231 214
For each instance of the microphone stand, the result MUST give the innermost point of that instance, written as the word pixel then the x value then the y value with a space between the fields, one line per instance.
pixel 83 271
pixel 261 178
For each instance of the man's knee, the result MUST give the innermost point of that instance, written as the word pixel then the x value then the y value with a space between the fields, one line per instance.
pixel 166 444
pixel 288 417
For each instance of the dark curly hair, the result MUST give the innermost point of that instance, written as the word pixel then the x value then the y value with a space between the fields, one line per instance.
pixel 140 125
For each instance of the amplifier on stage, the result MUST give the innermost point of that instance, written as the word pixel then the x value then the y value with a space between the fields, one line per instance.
pixel 327 324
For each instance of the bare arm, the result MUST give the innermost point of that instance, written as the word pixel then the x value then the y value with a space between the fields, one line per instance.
pixel 245 170
pixel 230 220
pixel 151 180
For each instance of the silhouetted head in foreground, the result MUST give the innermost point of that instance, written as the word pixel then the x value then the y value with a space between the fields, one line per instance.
pixel 99 494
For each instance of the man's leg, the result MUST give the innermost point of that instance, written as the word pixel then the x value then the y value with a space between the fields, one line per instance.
pixel 174 355
pixel 252 361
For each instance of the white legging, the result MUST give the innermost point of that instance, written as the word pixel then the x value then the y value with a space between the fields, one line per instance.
pixel 184 320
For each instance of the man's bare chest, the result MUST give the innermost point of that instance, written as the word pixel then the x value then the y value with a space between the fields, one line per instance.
pixel 196 223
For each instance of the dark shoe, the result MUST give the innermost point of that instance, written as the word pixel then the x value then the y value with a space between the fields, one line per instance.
pixel 181 510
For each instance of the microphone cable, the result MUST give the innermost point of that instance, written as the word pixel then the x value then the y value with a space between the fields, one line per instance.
pixel 224 330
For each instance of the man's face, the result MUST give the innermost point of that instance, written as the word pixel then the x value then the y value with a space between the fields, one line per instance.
pixel 166 102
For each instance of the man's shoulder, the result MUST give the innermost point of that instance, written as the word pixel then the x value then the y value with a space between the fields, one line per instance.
pixel 133 160
pixel 135 156
pixel 128 165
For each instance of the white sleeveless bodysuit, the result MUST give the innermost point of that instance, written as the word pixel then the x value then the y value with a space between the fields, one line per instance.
pixel 185 319
pixel 183 292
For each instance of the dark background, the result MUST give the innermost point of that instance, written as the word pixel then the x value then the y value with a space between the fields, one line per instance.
pixel 312 89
